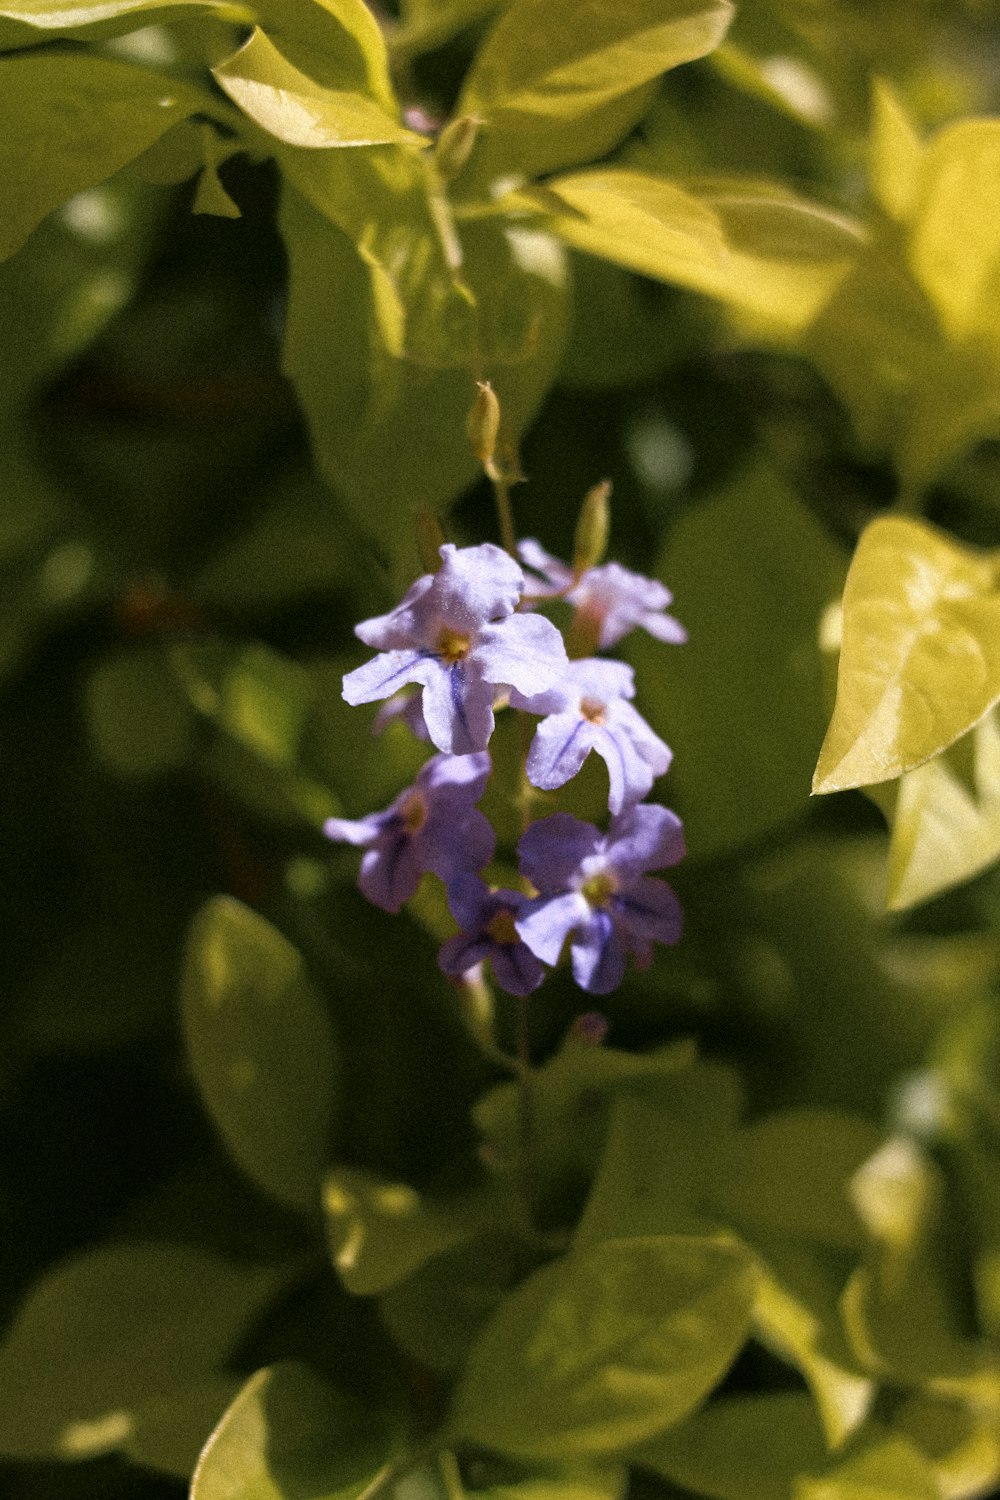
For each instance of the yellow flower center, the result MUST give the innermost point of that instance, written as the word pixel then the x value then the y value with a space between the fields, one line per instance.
pixel 413 813
pixel 593 710
pixel 452 646
pixel 600 888
pixel 501 927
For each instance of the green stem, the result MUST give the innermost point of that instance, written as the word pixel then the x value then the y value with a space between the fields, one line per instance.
pixel 450 1473
pixel 505 514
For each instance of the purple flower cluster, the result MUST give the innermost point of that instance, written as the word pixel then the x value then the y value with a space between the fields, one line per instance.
pixel 466 637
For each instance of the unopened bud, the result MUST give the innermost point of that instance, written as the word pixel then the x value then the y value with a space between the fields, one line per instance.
pixel 454 145
pixel 482 425
pixel 591 540
pixel 430 540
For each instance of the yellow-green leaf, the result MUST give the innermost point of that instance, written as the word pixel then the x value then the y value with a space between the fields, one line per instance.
pixel 294 107
pixel 920 659
pixel 955 249
pixel 559 82
pixel 754 245
pixel 68 121
pixel 888 1469
pixel 896 153
pixel 748 1448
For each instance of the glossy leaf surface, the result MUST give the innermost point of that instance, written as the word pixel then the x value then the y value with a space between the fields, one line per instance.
pixel 920 659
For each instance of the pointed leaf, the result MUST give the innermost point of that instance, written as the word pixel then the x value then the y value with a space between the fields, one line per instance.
pixel 292 106
pixel 68 121
pixel 261 1049
pixel 289 1435
pixel 606 1347
pixel 955 250
pixel 750 1448
pixel 920 660
pixel 558 83
pixel 896 153
pixel 102 1335
pixel 754 245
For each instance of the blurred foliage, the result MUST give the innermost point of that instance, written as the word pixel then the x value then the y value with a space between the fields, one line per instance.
pixel 263 1170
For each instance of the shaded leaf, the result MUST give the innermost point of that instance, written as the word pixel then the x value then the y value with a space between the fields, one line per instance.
pixel 605 1347
pixel 742 702
pixel 289 1435
pixel 890 1469
pixel 169 1432
pixel 68 121
pixel 104 1334
pixel 261 1048
pixel 751 1448
pixel 294 107
pixel 920 657
pixel 137 719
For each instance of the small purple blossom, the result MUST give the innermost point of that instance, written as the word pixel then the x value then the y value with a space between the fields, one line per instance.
pixel 594 890
pixel 589 710
pixel 456 633
pixel 432 825
pixel 487 919
pixel 609 600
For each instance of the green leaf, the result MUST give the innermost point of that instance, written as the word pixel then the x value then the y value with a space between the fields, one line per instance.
pixel 437 1312
pixel 383 345
pixel 290 1435
pixel 104 1334
pixel 138 721
pixel 426 24
pixel 751 1448
pixel 169 1432
pixel 960 1441
pixel 896 153
pixel 754 245
pixel 920 658
pixel 787 1175
pixel 261 1049
pixel 742 702
pixel 294 107
pixel 945 818
pixel 380 1232
pixel 606 1347
pixel 889 1469
pixel 955 244
pixel 68 121
pixel 260 698
pixel 562 83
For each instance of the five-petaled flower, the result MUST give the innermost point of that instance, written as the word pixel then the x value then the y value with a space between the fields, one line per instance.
pixel 487 919
pixel 590 711
pixel 432 825
pixel 594 890
pixel 609 600
pixel 456 633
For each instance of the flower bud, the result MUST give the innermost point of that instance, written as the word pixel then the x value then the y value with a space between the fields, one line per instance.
pixel 454 145
pixel 483 424
pixel 591 540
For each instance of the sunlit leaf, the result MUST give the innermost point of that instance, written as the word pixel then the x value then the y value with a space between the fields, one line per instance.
pixel 68 121
pixel 961 1442
pixel 896 153
pixel 558 83
pixel 955 249
pixel 261 1049
pixel 756 246
pixel 292 106
pixel 287 1435
pixel 747 1448
pixel 605 1347
pixel 104 1334
pixel 920 658
pixel 890 1469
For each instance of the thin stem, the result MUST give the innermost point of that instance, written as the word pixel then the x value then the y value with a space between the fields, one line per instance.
pixel 505 514
pixel 450 1473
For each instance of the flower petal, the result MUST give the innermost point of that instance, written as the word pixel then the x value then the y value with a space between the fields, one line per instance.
pixel 649 911
pixel 552 850
pixel 383 675
pixel 474 585
pixel 561 744
pixel 458 708
pixel 629 775
pixel 515 968
pixel 525 652
pixel 545 923
pixel 462 952
pixel 455 845
pixel 395 630
pixel 597 955
pixel 646 837
pixel 389 872
pixel 664 628
pixel 655 752
pixel 357 831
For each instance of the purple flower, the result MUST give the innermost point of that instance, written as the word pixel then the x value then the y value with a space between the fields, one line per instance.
pixel 408 709
pixel 456 634
pixel 590 711
pixel 433 825
pixel 487 919
pixel 609 600
pixel 594 889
